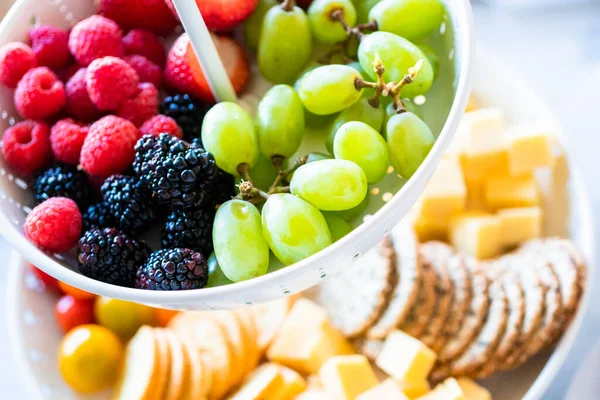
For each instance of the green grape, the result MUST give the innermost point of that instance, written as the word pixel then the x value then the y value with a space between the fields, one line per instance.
pixel 228 133
pixel 363 7
pixel 310 119
pixel 330 185
pixel 432 57
pixel 360 111
pixel 397 55
pixel 253 25
pixel 409 140
pixel 316 156
pixel 411 19
pixel 263 173
pixel 240 248
pixel 329 89
pixel 325 28
pixel 338 226
pixel 285 44
pixel 408 104
pixel 352 46
pixel 280 122
pixel 357 142
pixel 356 65
pixel 293 228
pixel 353 213
pixel 216 277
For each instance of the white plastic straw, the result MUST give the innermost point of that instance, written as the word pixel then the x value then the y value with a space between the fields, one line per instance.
pixel 205 50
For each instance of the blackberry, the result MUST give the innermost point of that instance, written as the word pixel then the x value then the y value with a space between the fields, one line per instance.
pixel 223 188
pixel 190 229
pixel 98 216
pixel 187 112
pixel 110 256
pixel 129 203
pixel 180 176
pixel 173 269
pixel 63 181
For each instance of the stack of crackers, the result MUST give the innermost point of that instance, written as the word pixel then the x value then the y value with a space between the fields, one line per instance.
pixel 479 317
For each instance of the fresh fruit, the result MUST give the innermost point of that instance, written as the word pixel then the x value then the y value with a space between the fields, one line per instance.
pixel 163 316
pixel 330 185
pixel 110 83
pixel 26 147
pixel 71 312
pixel 240 248
pixel 161 124
pixel 191 229
pixel 338 226
pixel 411 19
pixel 145 43
pixel 89 358
pixel 432 57
pixel 39 94
pixel 146 69
pixel 293 228
pixel 285 43
pixel 95 37
pixel 153 15
pixel 54 225
pixel 184 73
pixel 50 46
pixel 228 133
pixel 108 148
pixel 63 181
pixel 50 282
pixel 353 213
pixel 363 7
pixel 222 15
pixel 315 156
pixel 253 25
pixel 79 104
pixel 173 269
pixel 66 140
pixel 223 189
pixel 360 111
pixel 74 292
pixel 329 89
pixel 98 216
pixel 358 142
pixel 325 16
pixel 409 140
pixel 280 122
pixel 122 317
pixel 397 55
pixel 390 110
pixel 179 176
pixel 15 60
pixel 141 107
pixel 187 112
pixel 216 277
pixel 263 173
pixel 110 256
pixel 129 203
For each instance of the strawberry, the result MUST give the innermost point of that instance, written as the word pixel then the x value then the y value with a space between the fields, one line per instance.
pixel 222 15
pixel 184 73
pixel 153 15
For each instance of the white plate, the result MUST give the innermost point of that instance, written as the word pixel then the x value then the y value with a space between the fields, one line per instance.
pixel 35 336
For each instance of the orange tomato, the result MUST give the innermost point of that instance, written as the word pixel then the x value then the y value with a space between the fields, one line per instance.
pixel 77 293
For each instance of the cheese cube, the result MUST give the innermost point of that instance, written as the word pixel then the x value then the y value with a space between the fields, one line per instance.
pixel 473 391
pixel 511 192
pixel 293 384
pixel 263 384
pixel 405 358
pixel 387 389
pixel 313 394
pixel 446 193
pixel 476 233
pixel 460 140
pixel 431 228
pixel 485 123
pixel 476 196
pixel 556 201
pixel 520 224
pixel 528 149
pixel 472 104
pixel 345 377
pixel 414 389
pixel 447 390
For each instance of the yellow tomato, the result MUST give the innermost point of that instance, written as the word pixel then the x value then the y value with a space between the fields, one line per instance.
pixel 122 317
pixel 89 358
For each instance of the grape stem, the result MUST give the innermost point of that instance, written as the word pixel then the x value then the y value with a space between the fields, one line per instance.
pixel 406 80
pixel 284 174
pixel 288 5
pixel 338 15
pixel 244 170
pixel 338 50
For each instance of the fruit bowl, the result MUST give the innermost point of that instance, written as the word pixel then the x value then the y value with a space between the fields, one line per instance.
pixel 389 201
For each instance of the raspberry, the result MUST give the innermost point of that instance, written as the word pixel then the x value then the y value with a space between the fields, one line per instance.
pixel 110 82
pixel 95 37
pixel 15 60
pixel 40 94
pixel 145 43
pixel 50 46
pixel 146 69
pixel 109 146
pixel 26 147
pixel 143 106
pixel 54 225
pixel 79 104
pixel 153 15
pixel 161 124
pixel 66 139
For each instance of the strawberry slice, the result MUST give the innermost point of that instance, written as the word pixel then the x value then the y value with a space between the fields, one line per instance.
pixel 222 15
pixel 183 72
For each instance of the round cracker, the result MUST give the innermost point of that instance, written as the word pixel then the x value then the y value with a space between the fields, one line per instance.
pixel 196 386
pixel 270 316
pixel 409 272
pixel 164 361
pixel 237 343
pixel 248 325
pixel 418 317
pixel 178 375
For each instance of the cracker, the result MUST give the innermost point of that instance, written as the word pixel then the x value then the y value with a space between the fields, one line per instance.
pixel 475 317
pixel 179 367
pixel 235 336
pixel 437 255
pixel 419 315
pixel 269 317
pixel 409 271
pixel 357 296
pixel 196 386
pixel 250 331
pixel 370 348
pixel 164 362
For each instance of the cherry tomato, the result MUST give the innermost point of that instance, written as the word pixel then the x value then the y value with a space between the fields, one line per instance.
pixel 122 317
pixel 50 283
pixel 72 312
pixel 77 293
pixel 163 316
pixel 89 358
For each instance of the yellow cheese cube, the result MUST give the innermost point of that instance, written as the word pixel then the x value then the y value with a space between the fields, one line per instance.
pixel 387 389
pixel 414 389
pixel 528 149
pixel 472 104
pixel 447 390
pixel 473 391
pixel 293 384
pixel 520 224
pixel 446 193
pixel 405 358
pixel 511 192
pixel 345 377
pixel 431 228
pixel 485 123
pixel 476 233
pixel 556 201
pixel 475 196
pixel 263 384
pixel 460 140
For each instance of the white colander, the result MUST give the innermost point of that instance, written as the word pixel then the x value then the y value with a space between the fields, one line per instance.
pixel 390 200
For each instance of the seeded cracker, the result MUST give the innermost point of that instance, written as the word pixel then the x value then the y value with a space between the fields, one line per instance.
pixel 419 315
